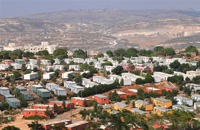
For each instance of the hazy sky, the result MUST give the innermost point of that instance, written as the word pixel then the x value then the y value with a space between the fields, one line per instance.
pixel 12 8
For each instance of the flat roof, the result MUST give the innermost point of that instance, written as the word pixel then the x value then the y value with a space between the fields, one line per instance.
pixel 133 90
pixel 61 102
pixel 100 96
pixel 154 89
pixel 119 92
pixel 34 110
pixel 143 102
pixel 162 109
pixel 55 122
pixel 43 90
pixel 121 104
pixel 76 124
pixel 25 92
pixel 13 99
pixel 44 105
pixel 138 111
pixel 163 100
pixel 4 88
pixel 37 86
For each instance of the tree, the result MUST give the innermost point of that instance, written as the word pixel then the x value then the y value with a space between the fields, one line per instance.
pixel 169 52
pixel 191 49
pixel 109 53
pixel 78 79
pixel 70 77
pixel 80 54
pixel 131 52
pixel 35 126
pixel 120 52
pixel 149 78
pixel 23 68
pixel 42 53
pixel 60 53
pixel 17 74
pixel 55 108
pixel 17 53
pixel 23 101
pixel 158 48
pixel 122 82
pixel 63 104
pixel 175 65
pixel 118 70
pixel 85 103
pixel 10 128
pixel 139 81
pixel 198 64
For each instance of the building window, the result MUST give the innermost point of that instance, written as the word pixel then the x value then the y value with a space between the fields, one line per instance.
pixel 104 99
pixel 24 112
pixel 29 112
pixel 41 113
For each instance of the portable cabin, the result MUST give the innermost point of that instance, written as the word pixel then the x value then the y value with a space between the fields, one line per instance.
pixel 196 105
pixel 164 103
pixel 32 66
pixel 76 89
pixel 31 76
pixel 119 78
pixel 196 97
pixel 34 112
pixel 51 86
pixel 27 95
pixel 3 67
pixel 74 67
pixel 34 88
pixel 60 103
pixel 159 110
pixel 44 93
pixel 183 107
pixel 136 110
pixel 4 91
pixel 81 125
pixel 183 100
pixel 20 61
pixel 13 102
pixel 48 75
pixel 101 99
pixel 169 88
pixel 21 89
pixel 88 83
pixel 49 125
pixel 60 91
pixel 121 106
pixel 132 92
pixel 122 95
pixel 164 124
pixel 66 74
pixel 154 90
pixel 16 66
pixel 69 84
pixel 80 101
pixel 130 76
pixel 148 106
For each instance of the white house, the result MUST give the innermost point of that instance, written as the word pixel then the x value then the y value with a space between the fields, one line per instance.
pixel 48 75
pixel 51 86
pixel 31 76
pixel 102 80
pixel 79 60
pixel 98 65
pixel 45 62
pixel 33 61
pixel 4 91
pixel 114 77
pixel 156 78
pixel 16 66
pixel 88 83
pixel 3 67
pixel 196 105
pixel 76 89
pixel 74 67
pixel 162 75
pixel 193 87
pixel 183 100
pixel 130 76
pixel 186 108
pixel 60 91
pixel 109 68
pixel 184 75
pixel 65 74
pixel 32 66
pixel 59 67
pixel 196 97
pixel 67 60
pixel 69 84
pixel 193 73
pixel 56 62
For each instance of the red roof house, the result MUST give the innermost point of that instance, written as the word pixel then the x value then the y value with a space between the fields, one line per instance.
pixel 80 101
pixel 101 99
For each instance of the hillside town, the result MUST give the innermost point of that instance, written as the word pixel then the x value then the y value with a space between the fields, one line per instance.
pixel 48 87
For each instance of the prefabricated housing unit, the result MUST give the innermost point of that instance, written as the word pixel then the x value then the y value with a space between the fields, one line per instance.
pixel 65 74
pixel 31 76
pixel 44 93
pixel 48 75
pixel 34 88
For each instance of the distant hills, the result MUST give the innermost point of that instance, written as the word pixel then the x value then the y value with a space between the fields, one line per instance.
pixel 105 29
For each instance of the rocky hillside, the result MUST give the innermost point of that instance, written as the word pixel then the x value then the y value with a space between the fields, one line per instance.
pixel 105 29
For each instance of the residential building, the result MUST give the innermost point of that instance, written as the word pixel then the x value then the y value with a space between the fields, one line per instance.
pixel 176 107
pixel 102 80
pixel 88 83
pixel 119 78
pixel 132 92
pixel 60 92
pixel 147 106
pixel 121 106
pixel 34 88
pixel 48 75
pixel 164 124
pixel 60 103
pixel 136 110
pixel 196 97
pixel 66 74
pixel 101 99
pixel 69 84
pixel 162 75
pixel 80 101
pixel 74 67
pixel 169 88
pixel 160 110
pixel 81 125
pixel 122 95
pixel 164 103
pixel 31 76
pixel 154 90
pixel 13 102
pixel 16 66
pixel 76 89
pixel 3 67
pixel 27 95
pixel 48 125
pixel 34 112
pixel 44 93
pixel 183 100
pixel 196 105
pixel 131 76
